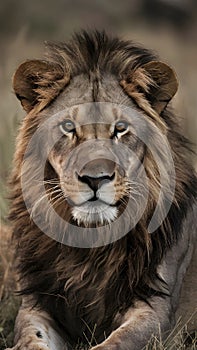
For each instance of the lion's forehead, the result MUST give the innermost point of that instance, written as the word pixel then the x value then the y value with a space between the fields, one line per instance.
pixel 83 92
pixel 99 113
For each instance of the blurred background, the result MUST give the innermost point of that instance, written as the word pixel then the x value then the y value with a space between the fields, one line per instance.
pixel 166 26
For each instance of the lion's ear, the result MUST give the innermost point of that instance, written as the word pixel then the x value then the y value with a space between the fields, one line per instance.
pixel 164 85
pixel 37 81
pixel 155 81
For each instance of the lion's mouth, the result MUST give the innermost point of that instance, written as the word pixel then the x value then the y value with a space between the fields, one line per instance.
pixel 94 211
pixel 94 197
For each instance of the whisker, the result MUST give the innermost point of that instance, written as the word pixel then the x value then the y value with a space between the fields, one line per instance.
pixel 37 203
pixel 50 181
pixel 53 189
pixel 48 192
pixel 54 192
pixel 60 199
pixel 54 200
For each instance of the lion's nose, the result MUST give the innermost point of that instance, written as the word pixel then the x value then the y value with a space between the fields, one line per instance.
pixel 96 182
pixel 97 172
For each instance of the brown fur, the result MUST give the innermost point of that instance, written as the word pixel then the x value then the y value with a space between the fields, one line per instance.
pixel 91 286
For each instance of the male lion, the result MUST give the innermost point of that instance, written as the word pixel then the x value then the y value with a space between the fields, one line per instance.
pixel 103 197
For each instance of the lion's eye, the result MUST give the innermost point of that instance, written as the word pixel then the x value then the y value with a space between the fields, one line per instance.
pixel 120 127
pixel 67 126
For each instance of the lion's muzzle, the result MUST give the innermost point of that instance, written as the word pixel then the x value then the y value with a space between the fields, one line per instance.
pixel 99 178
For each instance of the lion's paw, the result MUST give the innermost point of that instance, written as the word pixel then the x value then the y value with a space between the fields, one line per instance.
pixel 30 345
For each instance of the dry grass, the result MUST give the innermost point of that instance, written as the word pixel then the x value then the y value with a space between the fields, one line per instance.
pixel 9 302
pixel 178 339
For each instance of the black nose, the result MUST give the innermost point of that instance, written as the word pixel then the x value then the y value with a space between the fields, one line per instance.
pixel 95 182
pixel 97 172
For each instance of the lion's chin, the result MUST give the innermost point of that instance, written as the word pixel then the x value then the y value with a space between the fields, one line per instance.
pixel 94 213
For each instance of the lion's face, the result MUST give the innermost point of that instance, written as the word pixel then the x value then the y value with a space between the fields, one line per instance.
pixel 93 157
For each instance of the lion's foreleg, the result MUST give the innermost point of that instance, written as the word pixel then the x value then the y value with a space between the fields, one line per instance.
pixel 139 324
pixel 35 330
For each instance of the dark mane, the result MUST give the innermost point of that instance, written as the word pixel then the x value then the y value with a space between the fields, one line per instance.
pixel 121 271
pixel 97 51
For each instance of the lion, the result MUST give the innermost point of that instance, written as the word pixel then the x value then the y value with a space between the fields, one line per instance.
pixel 103 197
